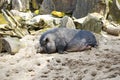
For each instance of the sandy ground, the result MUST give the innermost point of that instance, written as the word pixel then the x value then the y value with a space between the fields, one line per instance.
pixel 101 63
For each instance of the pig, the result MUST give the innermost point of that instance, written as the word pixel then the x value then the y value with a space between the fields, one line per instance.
pixel 83 40
pixel 63 40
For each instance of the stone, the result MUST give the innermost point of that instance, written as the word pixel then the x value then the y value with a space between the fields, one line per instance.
pixel 83 7
pixel 44 21
pixel 79 22
pixel 111 28
pixel 22 15
pixel 92 22
pixel 66 6
pixel 4 4
pixel 114 11
pixel 11 45
pixel 21 5
pixel 58 14
pixel 67 22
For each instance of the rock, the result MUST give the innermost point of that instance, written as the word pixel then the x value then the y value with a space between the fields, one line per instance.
pixel 34 3
pixel 78 8
pixel 83 7
pixel 113 31
pixel 114 11
pixel 102 7
pixel 118 4
pixel 43 21
pixel 4 4
pixel 11 45
pixel 111 28
pixel 23 15
pixel 92 22
pixel 79 22
pixel 36 12
pixel 66 21
pixel 21 5
pixel 66 6
pixel 58 14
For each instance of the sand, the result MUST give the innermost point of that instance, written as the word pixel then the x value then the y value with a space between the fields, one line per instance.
pixel 101 63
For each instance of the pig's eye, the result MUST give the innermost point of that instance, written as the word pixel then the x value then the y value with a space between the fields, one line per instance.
pixel 44 42
pixel 47 40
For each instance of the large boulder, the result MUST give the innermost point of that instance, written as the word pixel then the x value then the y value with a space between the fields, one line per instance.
pixel 78 8
pixel 83 7
pixel 92 22
pixel 66 6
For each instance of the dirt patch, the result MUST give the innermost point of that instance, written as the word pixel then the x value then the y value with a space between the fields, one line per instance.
pixel 101 63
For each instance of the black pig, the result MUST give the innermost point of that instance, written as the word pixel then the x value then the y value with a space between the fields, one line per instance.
pixel 65 39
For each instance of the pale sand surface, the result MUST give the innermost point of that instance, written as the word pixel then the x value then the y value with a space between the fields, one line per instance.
pixel 101 63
